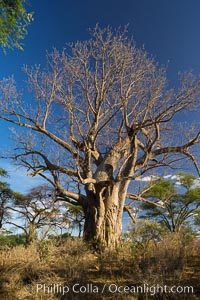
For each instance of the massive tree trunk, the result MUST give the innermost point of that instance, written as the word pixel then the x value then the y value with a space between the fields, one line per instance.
pixel 105 202
pixel 103 222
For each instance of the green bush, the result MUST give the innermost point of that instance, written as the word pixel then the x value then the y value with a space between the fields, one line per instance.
pixel 12 240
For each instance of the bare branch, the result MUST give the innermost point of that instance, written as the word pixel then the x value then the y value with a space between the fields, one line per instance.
pixel 139 198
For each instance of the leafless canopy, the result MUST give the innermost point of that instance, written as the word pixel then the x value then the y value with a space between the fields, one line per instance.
pixel 100 112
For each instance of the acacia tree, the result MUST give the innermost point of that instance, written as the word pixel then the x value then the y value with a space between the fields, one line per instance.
pixel 35 210
pixel 177 207
pixel 6 196
pixel 76 216
pixel 197 218
pixel 99 116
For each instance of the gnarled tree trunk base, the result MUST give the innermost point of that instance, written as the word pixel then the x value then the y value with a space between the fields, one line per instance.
pixel 103 228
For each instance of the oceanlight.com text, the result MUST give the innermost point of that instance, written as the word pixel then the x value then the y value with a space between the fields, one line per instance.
pixel 113 289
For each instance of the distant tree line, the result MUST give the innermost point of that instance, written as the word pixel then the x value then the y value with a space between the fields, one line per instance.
pixel 167 206
pixel 36 212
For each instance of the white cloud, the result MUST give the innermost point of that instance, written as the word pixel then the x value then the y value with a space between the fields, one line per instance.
pixel 170 176
pixel 18 179
pixel 147 178
pixel 196 183
pixel 176 178
pixel 167 176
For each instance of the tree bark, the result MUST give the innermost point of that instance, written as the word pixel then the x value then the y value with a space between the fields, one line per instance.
pixel 31 234
pixel 103 217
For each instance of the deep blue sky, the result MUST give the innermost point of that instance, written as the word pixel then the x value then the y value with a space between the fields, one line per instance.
pixel 169 30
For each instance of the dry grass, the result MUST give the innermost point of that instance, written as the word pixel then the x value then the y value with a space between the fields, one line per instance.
pixel 173 261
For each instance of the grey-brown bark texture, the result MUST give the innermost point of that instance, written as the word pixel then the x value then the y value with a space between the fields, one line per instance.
pixel 99 117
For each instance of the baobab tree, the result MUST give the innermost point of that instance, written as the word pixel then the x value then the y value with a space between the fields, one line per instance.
pixel 98 117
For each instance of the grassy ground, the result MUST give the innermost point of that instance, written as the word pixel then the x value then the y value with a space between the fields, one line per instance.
pixel 47 270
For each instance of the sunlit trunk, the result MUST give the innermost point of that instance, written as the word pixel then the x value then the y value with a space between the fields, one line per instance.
pixel 31 234
pixel 103 222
